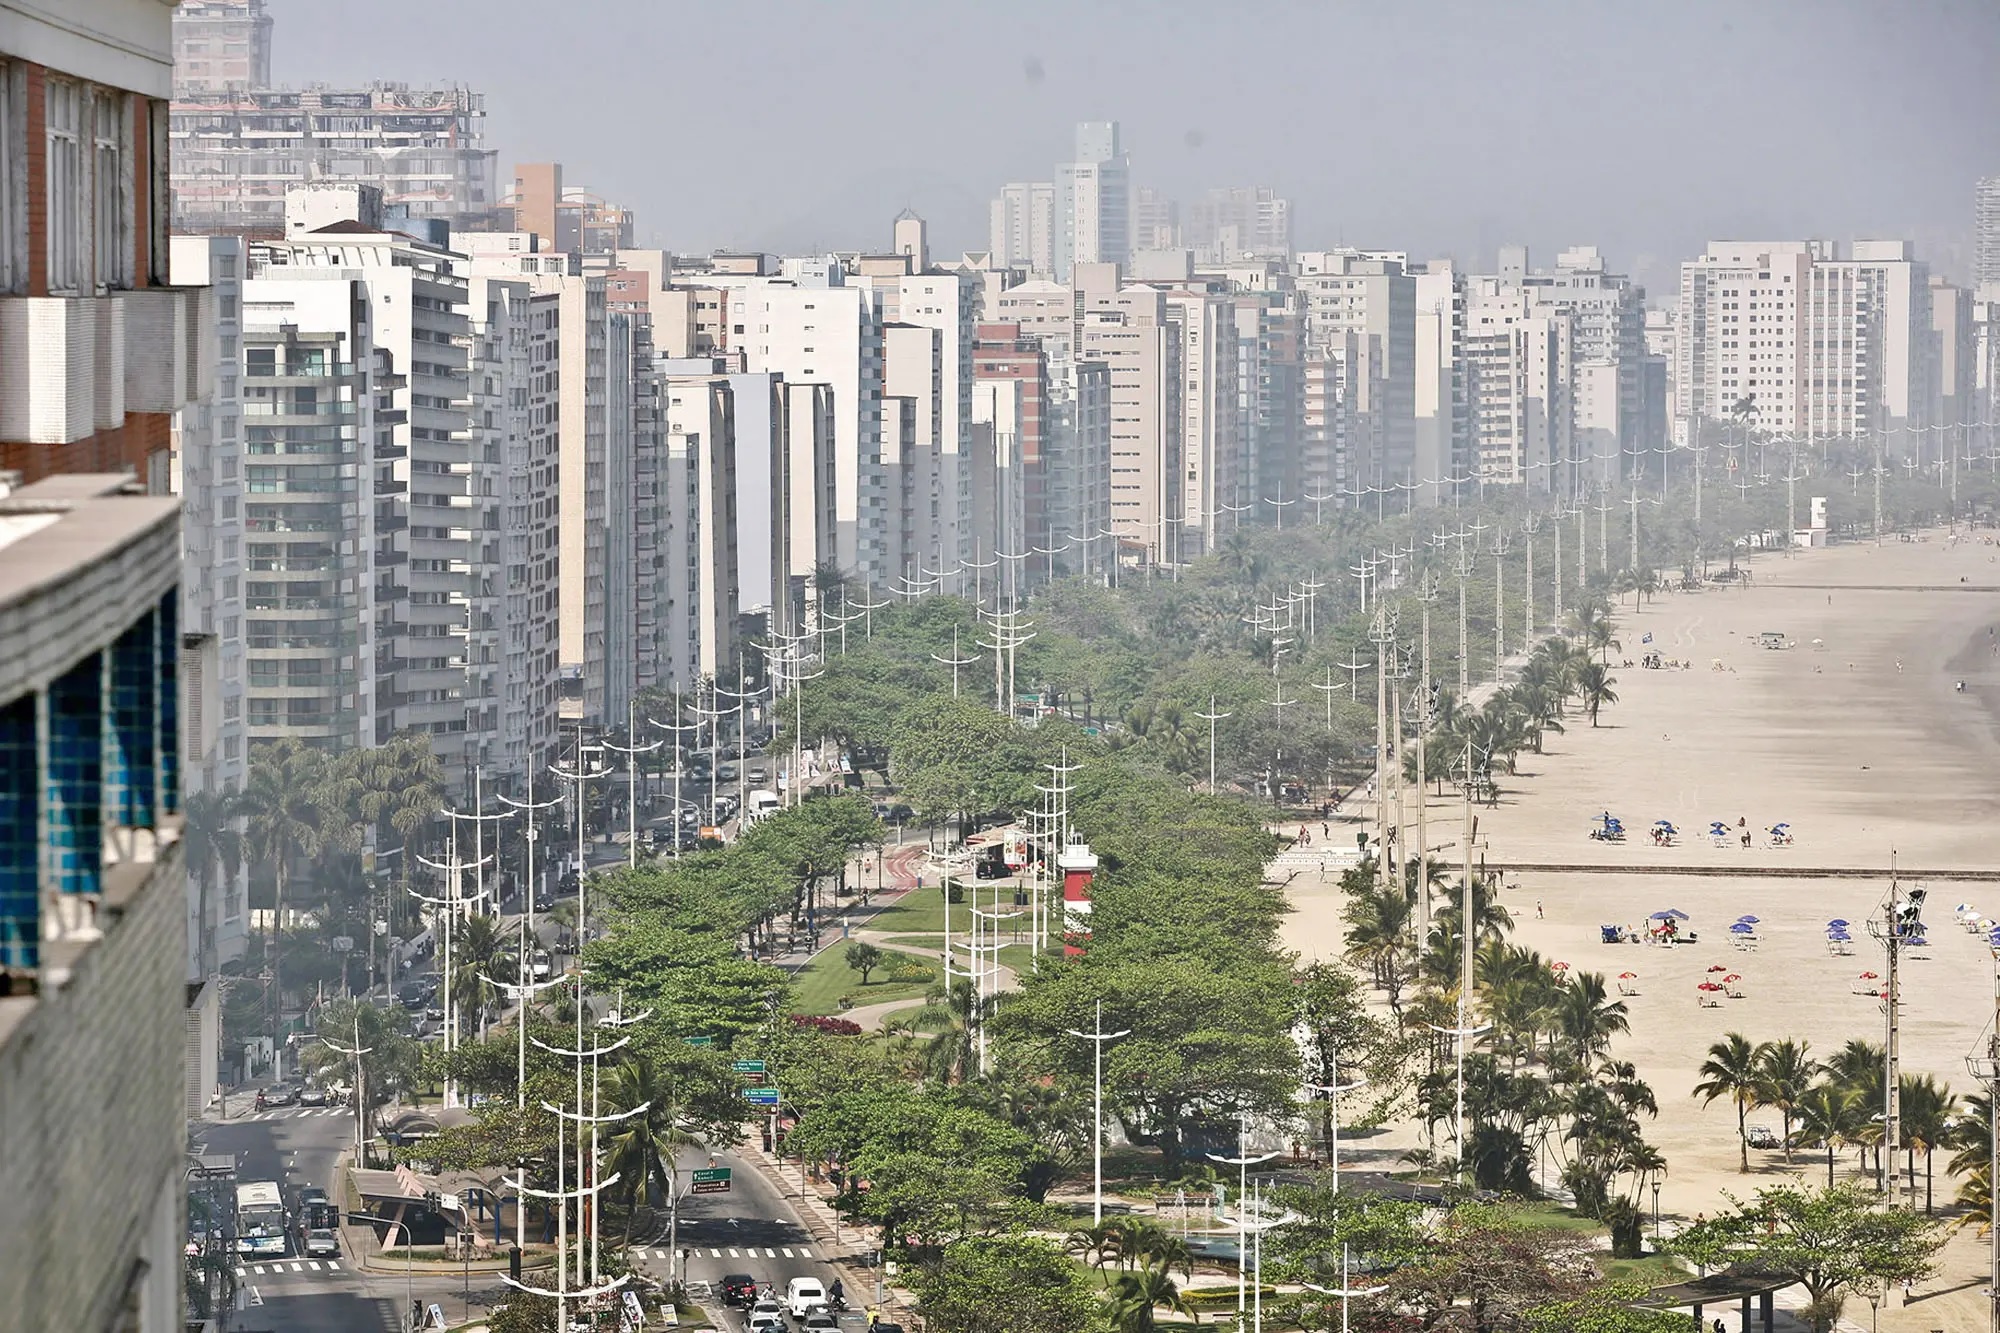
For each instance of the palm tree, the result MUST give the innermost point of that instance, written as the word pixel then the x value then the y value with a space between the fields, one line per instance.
pixel 1856 1068
pixel 1587 1018
pixel 1379 923
pixel 1972 1136
pixel 1787 1071
pixel 211 844
pixel 282 802
pixel 1097 1241
pixel 645 1149
pixel 476 949
pixel 1975 1195
pixel 1826 1115
pixel 952 1011
pixel 1594 683
pixel 1602 639
pixel 1734 1069
pixel 1133 1295
pixel 1926 1113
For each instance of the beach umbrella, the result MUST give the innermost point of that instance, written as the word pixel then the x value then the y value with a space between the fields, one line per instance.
pixel 1733 976
pixel 1838 934
pixel 1742 928
pixel 1753 920
pixel 1967 907
pixel 1708 985
pixel 1718 829
pixel 1559 967
pixel 1628 976
pixel 1837 921
pixel 1671 914
pixel 1869 976
pixel 1779 828
pixel 1718 968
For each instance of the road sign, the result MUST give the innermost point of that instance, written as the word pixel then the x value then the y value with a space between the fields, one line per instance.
pixel 747 1066
pixel 699 1041
pixel 343 943
pixel 712 1180
pixel 761 1096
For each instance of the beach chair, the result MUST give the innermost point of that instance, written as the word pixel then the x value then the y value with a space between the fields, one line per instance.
pixel 1917 948
pixel 1708 1000
pixel 1734 990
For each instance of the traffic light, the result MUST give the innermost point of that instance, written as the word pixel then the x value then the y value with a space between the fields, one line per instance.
pixel 432 1200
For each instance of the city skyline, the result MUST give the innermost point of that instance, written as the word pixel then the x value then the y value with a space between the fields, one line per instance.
pixel 1476 161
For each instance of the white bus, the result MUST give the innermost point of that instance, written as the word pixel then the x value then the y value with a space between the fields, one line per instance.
pixel 260 1220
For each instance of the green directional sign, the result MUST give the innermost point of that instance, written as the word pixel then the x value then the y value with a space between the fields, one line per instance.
pixel 761 1096
pixel 747 1066
pixel 712 1180
pixel 699 1041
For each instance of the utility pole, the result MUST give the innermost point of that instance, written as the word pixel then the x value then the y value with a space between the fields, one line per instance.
pixel 1528 527
pixel 1499 603
pixel 1097 1036
pixel 1557 527
pixel 582 776
pixel 1425 596
pixel 1278 757
pixel 1382 630
pixel 1986 1068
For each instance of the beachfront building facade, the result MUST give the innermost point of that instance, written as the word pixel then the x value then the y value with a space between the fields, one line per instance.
pixel 1793 339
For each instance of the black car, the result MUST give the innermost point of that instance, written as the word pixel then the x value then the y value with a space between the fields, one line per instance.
pixel 312 1096
pixel 738 1289
pixel 278 1094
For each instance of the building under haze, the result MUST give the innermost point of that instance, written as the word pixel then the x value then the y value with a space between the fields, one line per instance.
pixel 238 144
pixel 1986 220
pixel 1093 201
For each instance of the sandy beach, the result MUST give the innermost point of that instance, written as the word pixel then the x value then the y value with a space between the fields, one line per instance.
pixel 1863 744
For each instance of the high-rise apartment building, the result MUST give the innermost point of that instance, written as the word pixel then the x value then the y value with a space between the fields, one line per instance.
pixel 1093 201
pixel 1002 352
pixel 566 220
pixel 1787 337
pixel 236 152
pixel 1373 295
pixel 1243 221
pixel 238 144
pixel 1156 220
pixel 1128 332
pixel 221 44
pixel 1022 233
pixel 1986 223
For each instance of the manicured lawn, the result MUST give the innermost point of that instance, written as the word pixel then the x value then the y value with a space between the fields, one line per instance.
pixel 817 988
pixel 1655 1270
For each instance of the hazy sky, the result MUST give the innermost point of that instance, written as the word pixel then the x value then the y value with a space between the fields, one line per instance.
pixel 1440 128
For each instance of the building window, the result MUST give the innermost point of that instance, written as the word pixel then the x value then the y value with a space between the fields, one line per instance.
pixel 13 159
pixel 111 193
pixel 68 204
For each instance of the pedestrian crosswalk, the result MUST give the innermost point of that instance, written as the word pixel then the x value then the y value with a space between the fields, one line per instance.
pixel 294 1113
pixel 736 1252
pixel 271 1267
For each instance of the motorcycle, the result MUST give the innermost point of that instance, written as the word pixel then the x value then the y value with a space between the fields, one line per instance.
pixel 836 1303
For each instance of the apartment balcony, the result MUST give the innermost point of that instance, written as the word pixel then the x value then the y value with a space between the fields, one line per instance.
pixel 169 347
pixel 302 372
pixel 390 486
pixel 278 412
pixel 62 372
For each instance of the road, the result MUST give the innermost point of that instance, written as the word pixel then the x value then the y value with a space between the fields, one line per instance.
pixel 752 1229
pixel 298 1146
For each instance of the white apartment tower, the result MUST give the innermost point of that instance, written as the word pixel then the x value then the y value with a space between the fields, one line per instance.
pixel 1023 227
pixel 1789 338
pixel 1093 203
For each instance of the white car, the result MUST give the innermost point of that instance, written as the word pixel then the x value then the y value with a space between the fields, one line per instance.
pixel 766 1317
pixel 803 1295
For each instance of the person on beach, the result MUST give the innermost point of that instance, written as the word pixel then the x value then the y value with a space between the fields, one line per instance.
pixel 1538 909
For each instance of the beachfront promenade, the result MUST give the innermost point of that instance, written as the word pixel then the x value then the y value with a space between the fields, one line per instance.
pixel 1863 742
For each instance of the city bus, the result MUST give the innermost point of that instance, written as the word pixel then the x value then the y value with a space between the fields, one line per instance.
pixel 260 1220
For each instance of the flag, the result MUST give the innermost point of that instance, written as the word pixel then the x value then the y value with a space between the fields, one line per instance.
pixel 1647 639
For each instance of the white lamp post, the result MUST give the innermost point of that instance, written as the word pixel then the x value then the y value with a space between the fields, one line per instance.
pixel 1097 1037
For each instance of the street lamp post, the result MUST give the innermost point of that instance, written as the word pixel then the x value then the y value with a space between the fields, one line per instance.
pixel 1243 1161
pixel 1097 1037
pixel 1345 1290
pixel 1211 717
pixel 632 753
pixel 676 727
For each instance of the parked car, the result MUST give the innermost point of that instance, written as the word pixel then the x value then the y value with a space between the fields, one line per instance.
pixel 738 1289
pixel 1762 1136
pixel 766 1315
pixel 278 1094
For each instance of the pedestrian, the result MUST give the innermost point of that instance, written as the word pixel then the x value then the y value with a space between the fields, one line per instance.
pixel 1326 831
pixel 1538 909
